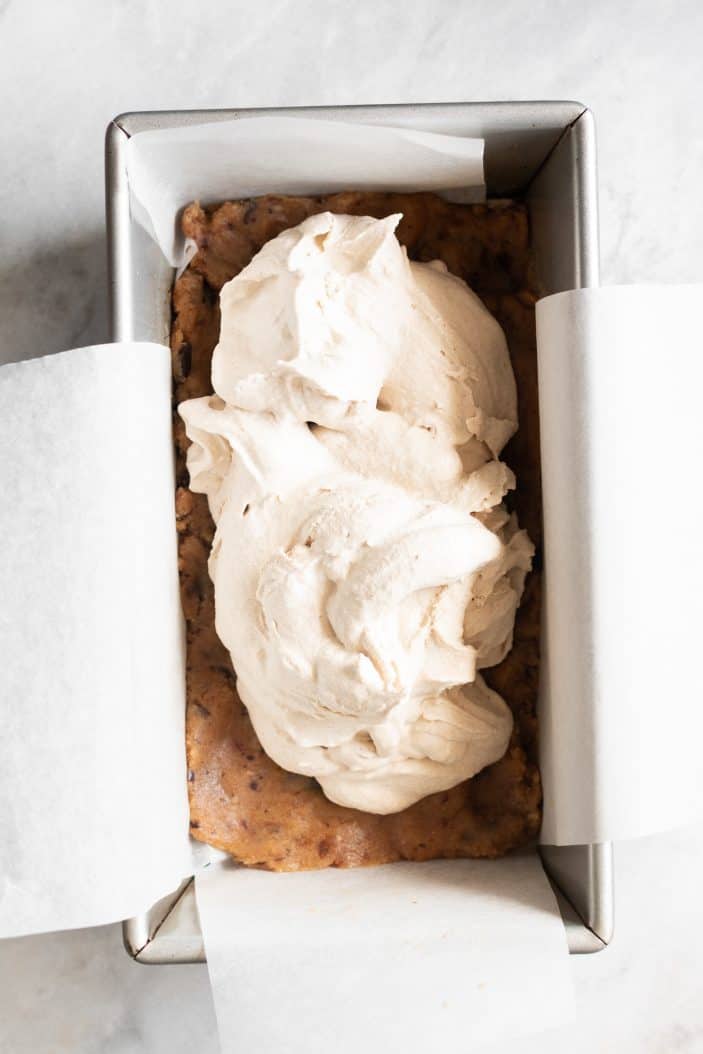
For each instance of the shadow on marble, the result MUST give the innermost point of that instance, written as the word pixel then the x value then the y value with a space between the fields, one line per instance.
pixel 53 296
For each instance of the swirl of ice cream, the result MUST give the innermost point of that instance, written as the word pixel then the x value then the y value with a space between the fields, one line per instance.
pixel 365 568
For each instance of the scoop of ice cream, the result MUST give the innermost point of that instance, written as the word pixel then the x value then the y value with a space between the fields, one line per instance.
pixel 364 567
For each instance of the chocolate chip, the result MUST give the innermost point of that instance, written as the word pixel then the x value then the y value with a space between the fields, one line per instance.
pixel 195 824
pixel 183 361
pixel 224 671
pixel 191 775
pixel 503 260
pixel 210 295
pixel 323 847
pixel 253 785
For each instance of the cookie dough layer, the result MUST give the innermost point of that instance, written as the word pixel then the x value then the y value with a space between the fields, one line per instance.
pixel 240 800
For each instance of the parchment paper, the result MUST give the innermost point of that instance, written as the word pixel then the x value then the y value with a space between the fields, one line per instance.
pixel 170 167
pixel 410 957
pixel 93 825
pixel 621 405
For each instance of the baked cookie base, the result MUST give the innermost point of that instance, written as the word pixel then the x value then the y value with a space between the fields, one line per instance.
pixel 240 800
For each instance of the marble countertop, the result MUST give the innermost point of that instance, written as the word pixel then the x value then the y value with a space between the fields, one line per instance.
pixel 67 69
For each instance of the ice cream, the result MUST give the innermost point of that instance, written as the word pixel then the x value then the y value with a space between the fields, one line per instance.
pixel 365 568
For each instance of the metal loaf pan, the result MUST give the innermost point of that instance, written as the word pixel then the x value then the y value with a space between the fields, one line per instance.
pixel 541 152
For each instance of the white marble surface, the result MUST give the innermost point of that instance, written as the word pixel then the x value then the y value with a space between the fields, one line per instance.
pixel 66 70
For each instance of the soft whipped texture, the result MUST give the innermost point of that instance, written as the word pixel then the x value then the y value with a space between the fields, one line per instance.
pixel 365 569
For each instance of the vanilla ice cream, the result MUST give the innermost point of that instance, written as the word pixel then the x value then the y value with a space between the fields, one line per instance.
pixel 365 568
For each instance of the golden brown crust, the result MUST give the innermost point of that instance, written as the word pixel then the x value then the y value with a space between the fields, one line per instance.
pixel 240 800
